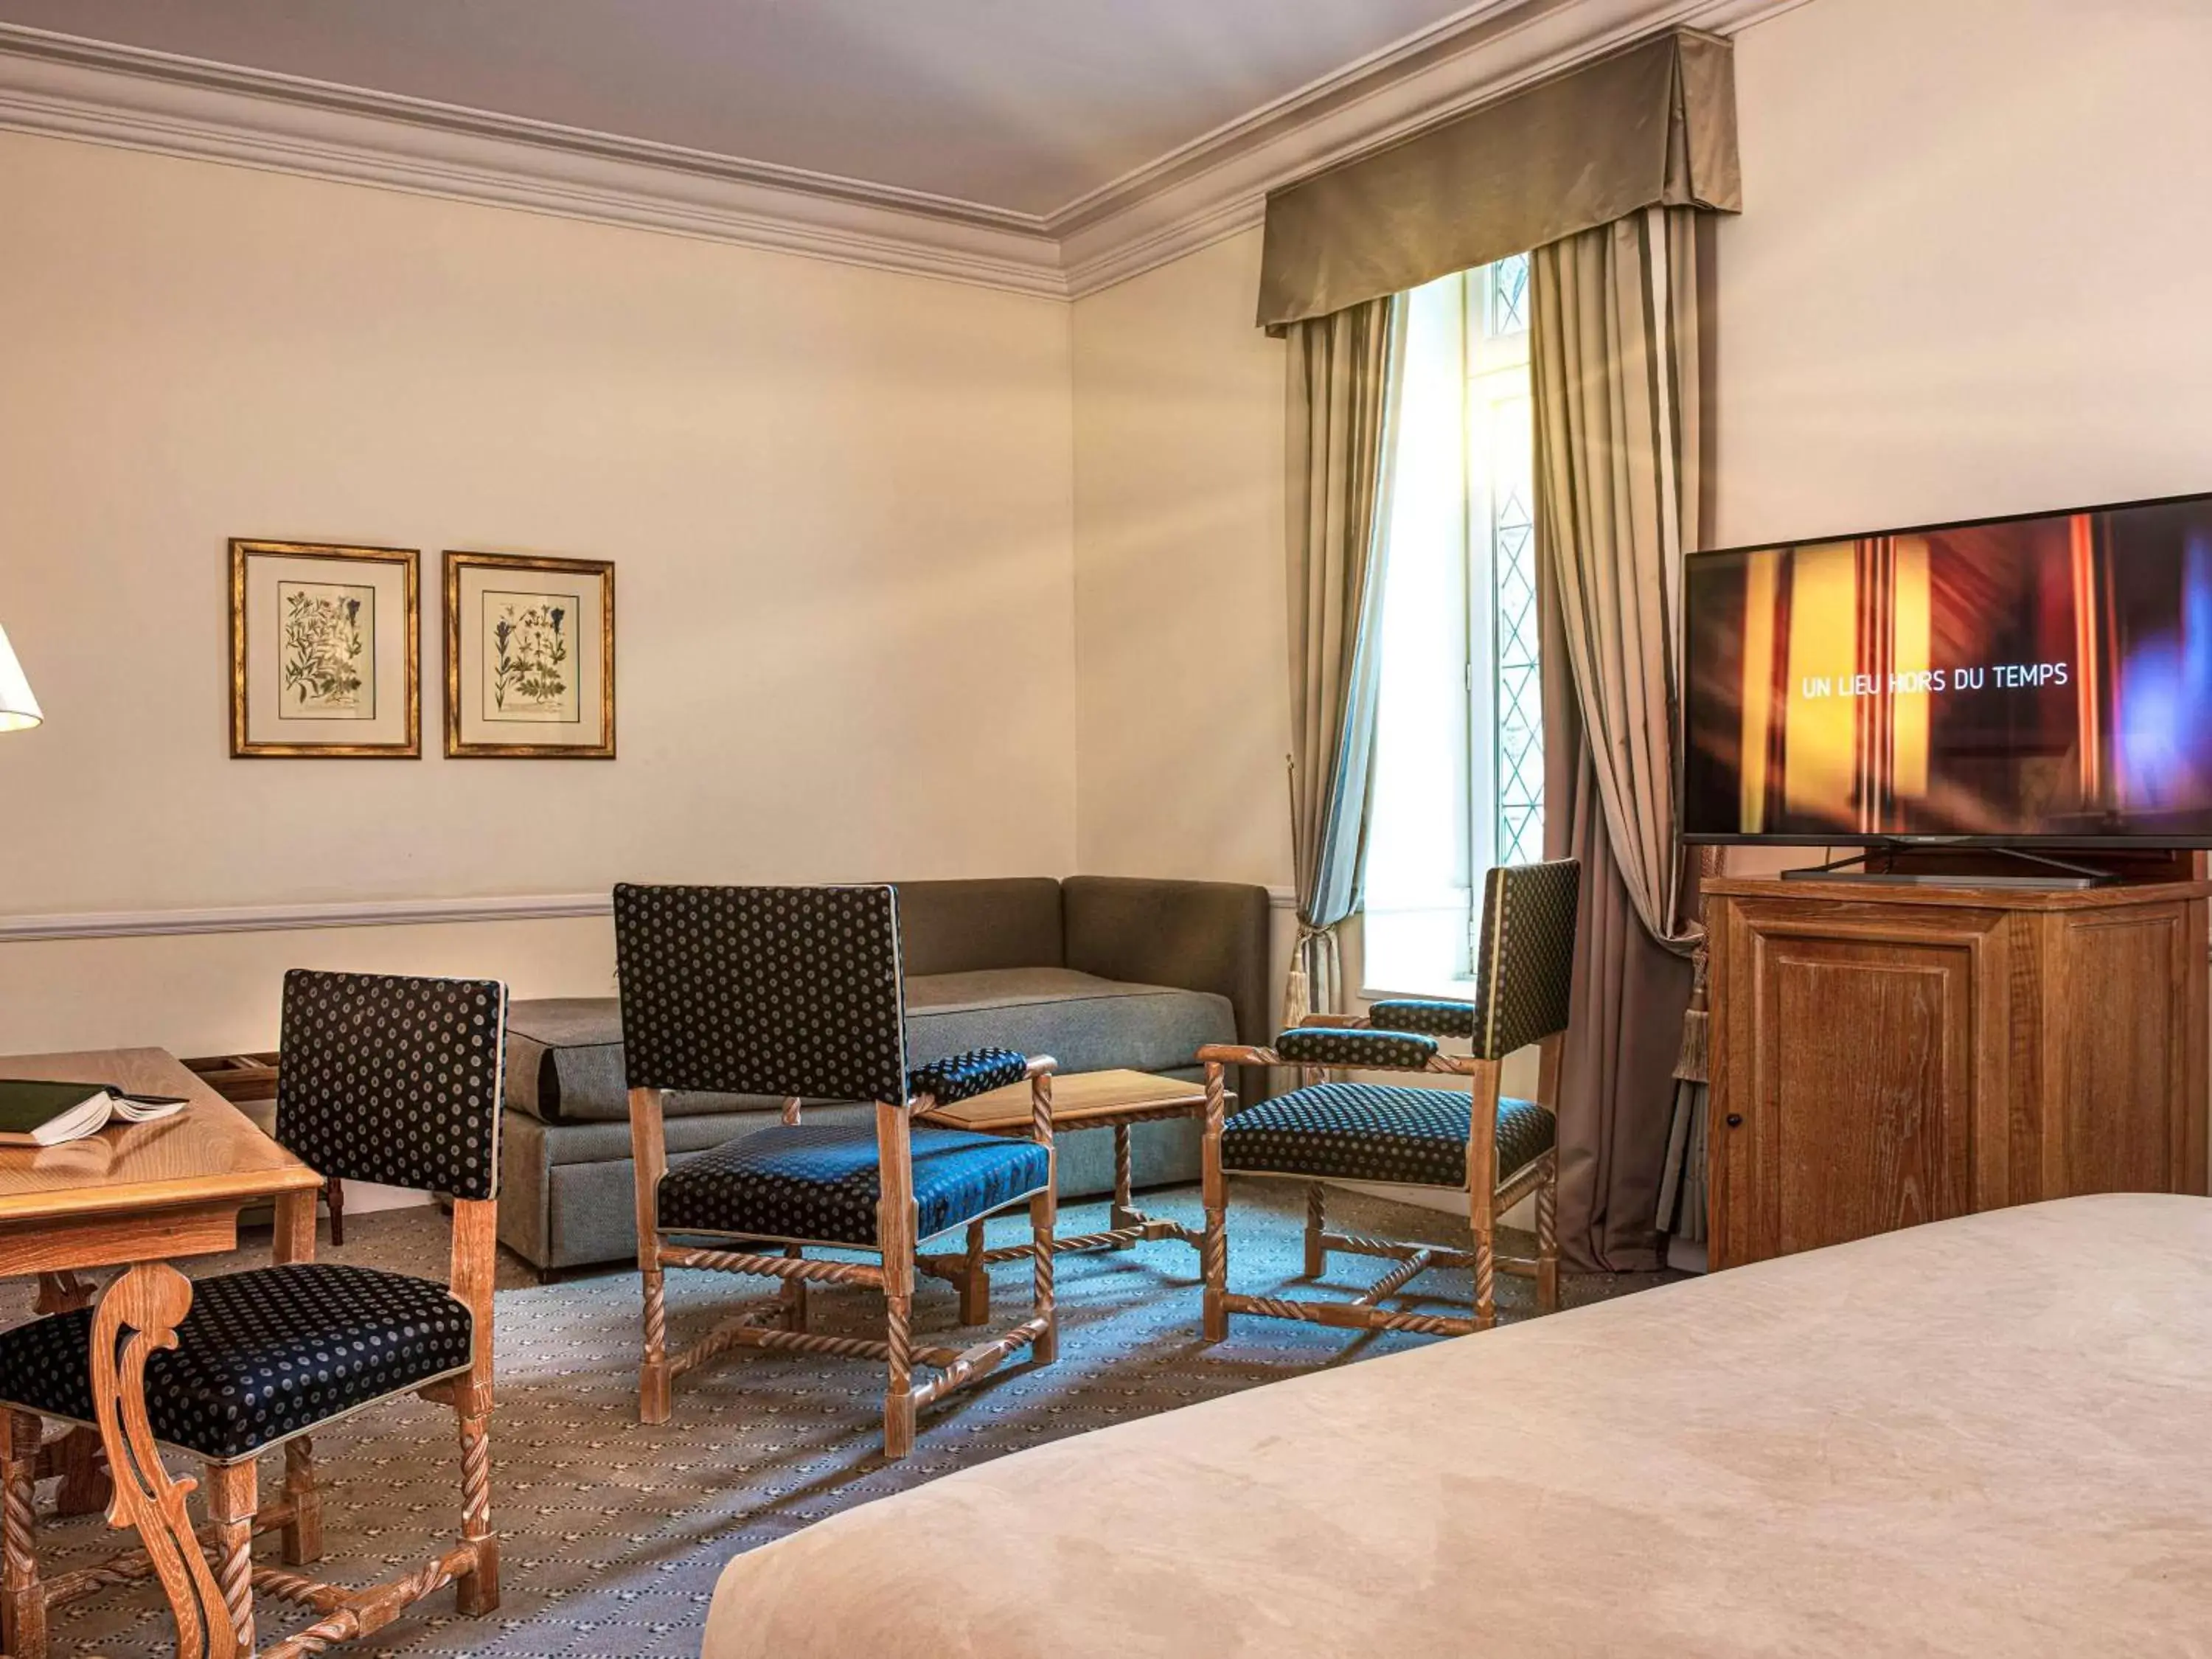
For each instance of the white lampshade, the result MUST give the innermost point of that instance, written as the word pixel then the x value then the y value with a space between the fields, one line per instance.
pixel 19 709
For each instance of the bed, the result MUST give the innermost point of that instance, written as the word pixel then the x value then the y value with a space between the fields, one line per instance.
pixel 1991 1436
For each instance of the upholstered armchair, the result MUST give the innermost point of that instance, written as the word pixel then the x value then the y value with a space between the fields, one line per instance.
pixel 796 992
pixel 1496 1148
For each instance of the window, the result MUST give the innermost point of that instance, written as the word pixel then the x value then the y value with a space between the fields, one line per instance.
pixel 1459 771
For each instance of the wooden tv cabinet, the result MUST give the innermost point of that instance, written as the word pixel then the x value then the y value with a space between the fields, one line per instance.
pixel 1885 1056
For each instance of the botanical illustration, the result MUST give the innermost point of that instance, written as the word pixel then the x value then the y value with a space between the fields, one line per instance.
pixel 529 656
pixel 327 667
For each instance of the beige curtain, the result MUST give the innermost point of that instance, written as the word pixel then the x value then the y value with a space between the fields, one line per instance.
pixel 1343 375
pixel 1621 347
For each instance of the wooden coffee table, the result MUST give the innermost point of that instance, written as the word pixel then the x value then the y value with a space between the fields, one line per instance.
pixel 1081 1100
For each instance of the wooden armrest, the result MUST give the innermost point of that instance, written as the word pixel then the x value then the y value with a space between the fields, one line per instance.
pixel 1235 1054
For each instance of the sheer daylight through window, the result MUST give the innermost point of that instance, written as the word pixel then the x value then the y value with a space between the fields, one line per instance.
pixel 1459 782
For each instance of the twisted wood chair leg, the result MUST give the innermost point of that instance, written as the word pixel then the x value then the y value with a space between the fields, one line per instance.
pixel 648 1143
pixel 1124 1211
pixel 898 1385
pixel 233 1495
pixel 1316 1218
pixel 655 1384
pixel 303 1533
pixel 476 1591
pixel 22 1597
pixel 1044 1221
pixel 1486 1279
pixel 1548 1237
pixel 1213 1247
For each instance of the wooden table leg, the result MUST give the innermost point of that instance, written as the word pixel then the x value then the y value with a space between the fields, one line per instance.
pixel 148 1303
pixel 975 1280
pixel 1124 1212
pixel 76 1457
pixel 22 1596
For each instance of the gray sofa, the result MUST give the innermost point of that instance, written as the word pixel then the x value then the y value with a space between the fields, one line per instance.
pixel 1097 971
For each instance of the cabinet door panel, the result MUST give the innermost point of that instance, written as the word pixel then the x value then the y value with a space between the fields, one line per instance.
pixel 1866 1087
pixel 2124 1052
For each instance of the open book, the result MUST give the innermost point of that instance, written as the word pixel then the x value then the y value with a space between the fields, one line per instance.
pixel 41 1114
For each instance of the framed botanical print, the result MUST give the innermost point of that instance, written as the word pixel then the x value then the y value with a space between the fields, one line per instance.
pixel 324 648
pixel 530 658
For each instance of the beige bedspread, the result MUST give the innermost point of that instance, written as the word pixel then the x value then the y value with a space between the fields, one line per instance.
pixel 1988 1436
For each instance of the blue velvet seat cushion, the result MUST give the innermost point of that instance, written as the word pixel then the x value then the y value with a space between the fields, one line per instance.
pixel 1381 1051
pixel 1377 1132
pixel 261 1355
pixel 963 1076
pixel 1435 1017
pixel 819 1182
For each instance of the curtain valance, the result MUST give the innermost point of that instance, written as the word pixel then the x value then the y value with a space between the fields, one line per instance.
pixel 1650 125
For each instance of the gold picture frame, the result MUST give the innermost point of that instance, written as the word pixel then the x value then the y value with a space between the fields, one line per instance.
pixel 324 652
pixel 530 656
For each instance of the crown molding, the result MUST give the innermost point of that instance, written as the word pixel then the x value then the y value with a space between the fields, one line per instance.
pixel 62 86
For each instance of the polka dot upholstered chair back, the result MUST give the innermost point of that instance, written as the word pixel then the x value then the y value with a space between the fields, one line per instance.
pixel 1526 968
pixel 389 1078
pixel 762 990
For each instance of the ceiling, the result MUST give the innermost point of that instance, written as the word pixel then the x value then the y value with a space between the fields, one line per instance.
pixel 1019 105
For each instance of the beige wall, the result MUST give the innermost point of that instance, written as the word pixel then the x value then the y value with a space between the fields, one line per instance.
pixel 1182 700
pixel 840 502
pixel 1970 274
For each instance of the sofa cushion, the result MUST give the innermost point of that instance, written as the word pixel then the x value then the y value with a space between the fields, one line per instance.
pixel 1085 1022
pixel 564 1057
pixel 564 1064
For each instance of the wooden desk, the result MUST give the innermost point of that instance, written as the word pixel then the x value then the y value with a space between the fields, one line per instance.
pixel 135 1196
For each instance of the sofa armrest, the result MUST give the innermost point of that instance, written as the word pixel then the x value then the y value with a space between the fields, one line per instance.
pixel 1194 935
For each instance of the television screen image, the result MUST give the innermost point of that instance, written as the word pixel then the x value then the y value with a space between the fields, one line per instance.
pixel 2041 678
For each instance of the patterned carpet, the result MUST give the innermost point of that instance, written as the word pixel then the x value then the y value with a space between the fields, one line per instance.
pixel 614 1533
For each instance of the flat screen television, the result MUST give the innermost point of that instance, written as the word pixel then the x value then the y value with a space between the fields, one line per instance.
pixel 2044 679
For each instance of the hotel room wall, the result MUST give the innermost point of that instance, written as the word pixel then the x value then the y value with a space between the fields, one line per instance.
pixel 839 501
pixel 1182 696
pixel 1969 278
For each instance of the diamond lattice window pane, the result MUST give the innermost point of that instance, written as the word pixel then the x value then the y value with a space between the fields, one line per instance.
pixel 1509 296
pixel 1520 686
